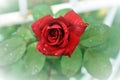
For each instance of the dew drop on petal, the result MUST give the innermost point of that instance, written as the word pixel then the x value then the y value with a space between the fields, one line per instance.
pixel 44 49
pixel 81 24
pixel 38 46
pixel 46 45
pixel 66 31
pixel 56 54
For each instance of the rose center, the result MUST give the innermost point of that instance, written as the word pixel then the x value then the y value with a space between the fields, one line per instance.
pixel 53 33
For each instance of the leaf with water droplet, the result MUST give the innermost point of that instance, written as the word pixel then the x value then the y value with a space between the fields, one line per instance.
pixel 42 75
pixel 16 70
pixel 95 35
pixel 6 32
pixel 97 64
pixel 26 33
pixel 11 50
pixel 41 10
pixel 71 65
pixel 34 61
pixel 57 76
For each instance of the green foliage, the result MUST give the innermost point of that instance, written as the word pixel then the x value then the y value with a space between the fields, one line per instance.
pixel 25 32
pixel 41 10
pixel 18 67
pixel 11 50
pixel 6 32
pixel 97 64
pixel 115 35
pixel 61 12
pixel 92 18
pixel 95 35
pixel 57 76
pixel 72 65
pixel 33 60
pixel 43 75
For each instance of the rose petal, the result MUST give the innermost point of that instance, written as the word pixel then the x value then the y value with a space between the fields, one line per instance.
pixel 38 25
pixel 77 25
pixel 74 19
pixel 55 26
pixel 56 38
pixel 78 30
pixel 46 35
pixel 73 42
pixel 64 26
pixel 49 50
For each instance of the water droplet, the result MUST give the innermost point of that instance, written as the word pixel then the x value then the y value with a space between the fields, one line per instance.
pixel 72 78
pixel 44 49
pixel 38 46
pixel 1 37
pixel 90 40
pixel 13 33
pixel 6 45
pixel 5 49
pixel 81 24
pixel 56 54
pixel 23 35
pixel 66 31
pixel 46 45
pixel 11 54
pixel 35 69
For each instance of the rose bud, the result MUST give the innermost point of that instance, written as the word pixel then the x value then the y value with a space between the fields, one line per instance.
pixel 58 36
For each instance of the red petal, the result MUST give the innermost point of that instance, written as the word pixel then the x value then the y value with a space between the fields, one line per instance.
pixel 77 25
pixel 38 25
pixel 73 18
pixel 49 50
pixel 73 42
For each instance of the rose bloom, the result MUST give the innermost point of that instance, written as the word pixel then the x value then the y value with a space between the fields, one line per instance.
pixel 58 36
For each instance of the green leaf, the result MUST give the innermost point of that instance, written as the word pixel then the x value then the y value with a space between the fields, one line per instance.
pixel 71 65
pixel 79 75
pixel 16 70
pixel 26 33
pixel 55 64
pixel 41 10
pixel 107 48
pixel 115 36
pixel 34 61
pixel 6 32
pixel 61 12
pixel 97 64
pixel 57 76
pixel 92 17
pixel 95 35
pixel 11 50
pixel 43 75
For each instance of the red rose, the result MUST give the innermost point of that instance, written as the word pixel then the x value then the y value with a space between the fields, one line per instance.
pixel 59 36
